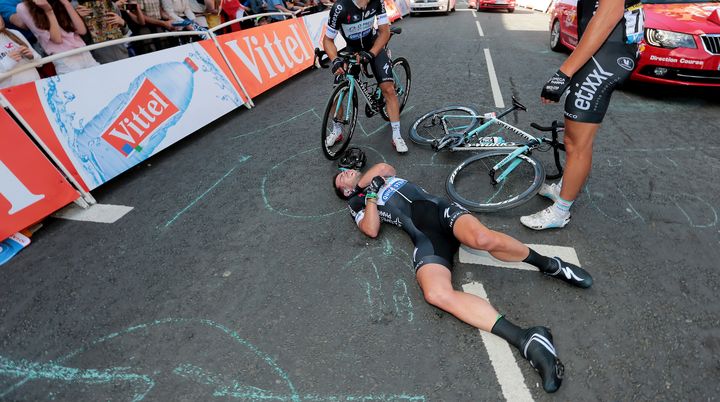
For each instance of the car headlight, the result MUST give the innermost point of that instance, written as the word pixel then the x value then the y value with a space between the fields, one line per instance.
pixel 669 39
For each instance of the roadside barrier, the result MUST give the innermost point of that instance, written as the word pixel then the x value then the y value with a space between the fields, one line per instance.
pixel 62 137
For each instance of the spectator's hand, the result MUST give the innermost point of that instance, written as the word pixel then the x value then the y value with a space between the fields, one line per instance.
pixel 338 66
pixel 555 87
pixel 15 54
pixel 167 24
pixel 43 4
pixel 114 19
pixel 375 185
pixel 26 52
pixel 365 57
pixel 83 11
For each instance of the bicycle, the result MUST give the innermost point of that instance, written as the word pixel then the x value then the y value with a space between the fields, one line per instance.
pixel 515 175
pixel 343 103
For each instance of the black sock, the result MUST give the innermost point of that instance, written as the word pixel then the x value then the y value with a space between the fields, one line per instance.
pixel 508 331
pixel 544 264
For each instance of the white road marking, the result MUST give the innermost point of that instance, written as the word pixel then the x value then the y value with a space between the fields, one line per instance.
pixel 480 31
pixel 497 96
pixel 472 256
pixel 503 361
pixel 100 213
pixel 474 13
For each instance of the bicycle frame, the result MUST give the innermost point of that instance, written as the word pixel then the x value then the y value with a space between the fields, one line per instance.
pixel 519 148
pixel 355 86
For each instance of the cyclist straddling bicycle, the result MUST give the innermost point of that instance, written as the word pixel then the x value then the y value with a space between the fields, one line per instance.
pixel 355 20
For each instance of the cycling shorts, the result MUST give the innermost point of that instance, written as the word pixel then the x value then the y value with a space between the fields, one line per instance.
pixel 435 243
pixel 591 87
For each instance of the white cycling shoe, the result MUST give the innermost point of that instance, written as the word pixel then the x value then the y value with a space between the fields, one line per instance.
pixel 548 218
pixel 332 138
pixel 399 145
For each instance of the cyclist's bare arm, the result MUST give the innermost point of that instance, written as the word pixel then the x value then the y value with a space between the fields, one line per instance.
pixel 383 38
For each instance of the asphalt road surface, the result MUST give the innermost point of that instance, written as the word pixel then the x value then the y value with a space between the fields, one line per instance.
pixel 239 275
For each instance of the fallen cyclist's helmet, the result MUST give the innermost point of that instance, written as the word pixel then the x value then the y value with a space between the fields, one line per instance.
pixel 354 158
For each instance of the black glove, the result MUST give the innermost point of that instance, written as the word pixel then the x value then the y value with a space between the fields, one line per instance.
pixel 365 57
pixel 337 64
pixel 555 87
pixel 374 186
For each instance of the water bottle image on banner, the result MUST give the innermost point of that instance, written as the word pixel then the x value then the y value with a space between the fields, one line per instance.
pixel 134 123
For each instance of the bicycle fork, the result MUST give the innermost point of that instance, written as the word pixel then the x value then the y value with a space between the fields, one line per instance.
pixel 514 162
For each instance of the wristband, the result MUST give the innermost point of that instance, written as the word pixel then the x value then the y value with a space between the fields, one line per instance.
pixel 370 195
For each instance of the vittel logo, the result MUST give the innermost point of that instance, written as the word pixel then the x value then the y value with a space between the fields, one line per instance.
pixel 275 55
pixel 147 111
pixel 586 93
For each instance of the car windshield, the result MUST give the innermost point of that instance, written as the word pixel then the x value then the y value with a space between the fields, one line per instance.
pixel 678 1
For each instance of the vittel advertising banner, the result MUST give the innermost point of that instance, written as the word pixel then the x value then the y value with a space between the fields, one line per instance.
pixel 268 55
pixel 30 186
pixel 100 122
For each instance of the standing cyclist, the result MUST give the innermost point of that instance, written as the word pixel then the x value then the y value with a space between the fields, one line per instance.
pixel 605 56
pixel 355 20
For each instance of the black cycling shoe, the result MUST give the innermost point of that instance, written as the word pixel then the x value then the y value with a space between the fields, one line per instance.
pixel 538 348
pixel 571 274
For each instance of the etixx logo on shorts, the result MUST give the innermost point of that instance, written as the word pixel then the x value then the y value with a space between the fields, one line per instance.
pixel 626 63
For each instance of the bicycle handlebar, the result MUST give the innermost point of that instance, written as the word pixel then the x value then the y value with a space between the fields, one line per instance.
pixel 554 126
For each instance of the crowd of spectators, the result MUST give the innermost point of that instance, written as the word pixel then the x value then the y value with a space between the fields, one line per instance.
pixel 31 29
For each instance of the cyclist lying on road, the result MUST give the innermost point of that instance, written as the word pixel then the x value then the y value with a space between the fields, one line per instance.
pixel 437 227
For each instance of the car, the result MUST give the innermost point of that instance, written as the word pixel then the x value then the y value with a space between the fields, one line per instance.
pixel 508 5
pixel 432 6
pixel 681 43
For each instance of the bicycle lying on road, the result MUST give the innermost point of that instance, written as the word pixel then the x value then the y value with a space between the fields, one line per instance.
pixel 342 107
pixel 513 175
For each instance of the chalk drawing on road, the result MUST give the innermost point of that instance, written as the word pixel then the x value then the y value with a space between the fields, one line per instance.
pixel 376 267
pixel 283 186
pixel 145 379
pixel 206 192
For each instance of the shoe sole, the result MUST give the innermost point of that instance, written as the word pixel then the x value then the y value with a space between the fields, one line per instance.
pixel 547 227
pixel 396 150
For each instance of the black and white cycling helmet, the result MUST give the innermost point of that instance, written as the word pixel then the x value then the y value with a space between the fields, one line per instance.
pixel 354 158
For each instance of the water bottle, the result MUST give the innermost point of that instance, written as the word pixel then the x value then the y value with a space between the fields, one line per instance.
pixel 132 125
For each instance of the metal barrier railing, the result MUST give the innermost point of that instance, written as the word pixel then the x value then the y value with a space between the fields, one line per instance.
pixel 207 33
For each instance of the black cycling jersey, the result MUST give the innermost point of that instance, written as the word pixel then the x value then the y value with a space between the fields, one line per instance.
pixel 426 218
pixel 591 87
pixel 356 25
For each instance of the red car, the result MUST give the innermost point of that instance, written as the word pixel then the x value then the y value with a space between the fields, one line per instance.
pixel 681 44
pixel 508 5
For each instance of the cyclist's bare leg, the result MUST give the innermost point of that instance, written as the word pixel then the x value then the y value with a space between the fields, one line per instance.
pixel 391 100
pixel 435 282
pixel 578 147
pixel 470 232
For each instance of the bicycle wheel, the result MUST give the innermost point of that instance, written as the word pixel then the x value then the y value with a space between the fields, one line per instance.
pixel 469 183
pixel 336 113
pixel 402 78
pixel 429 127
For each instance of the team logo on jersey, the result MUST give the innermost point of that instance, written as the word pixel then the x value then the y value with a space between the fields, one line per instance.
pixel 391 186
pixel 626 63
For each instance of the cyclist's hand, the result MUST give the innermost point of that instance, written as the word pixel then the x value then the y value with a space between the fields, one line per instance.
pixel 365 57
pixel 375 185
pixel 338 66
pixel 555 87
